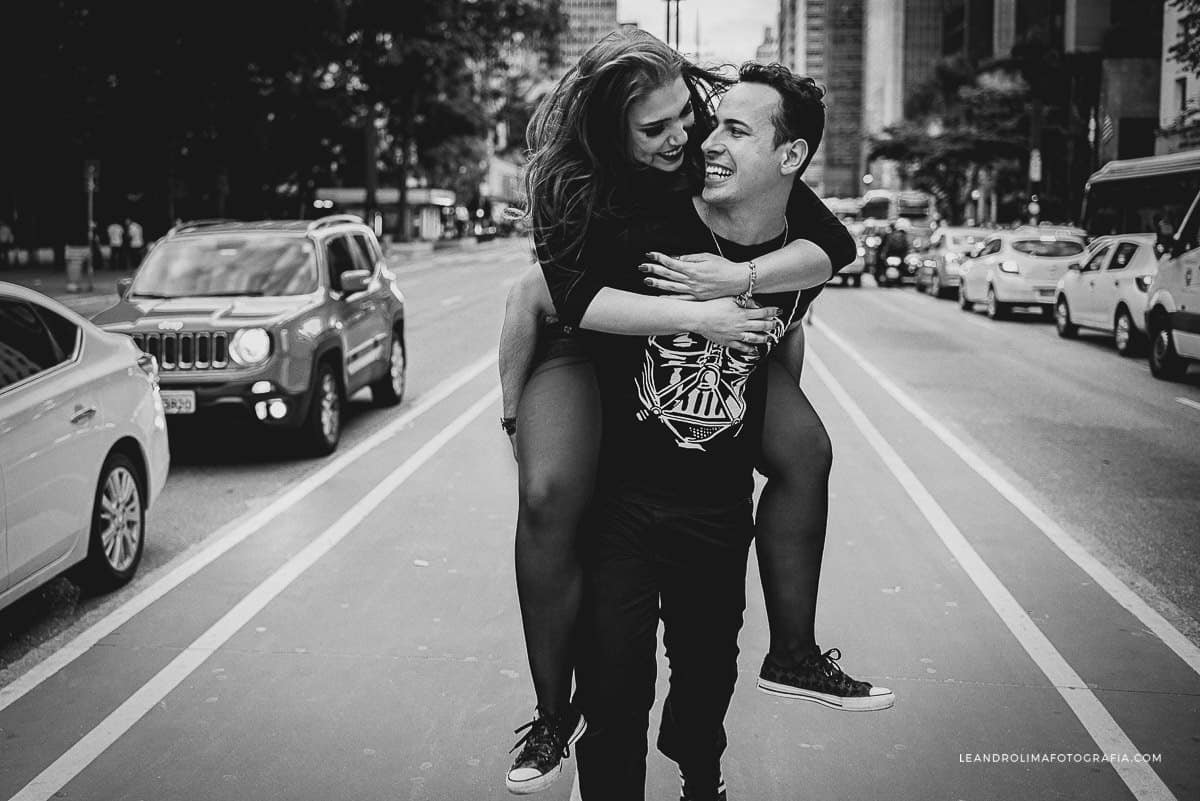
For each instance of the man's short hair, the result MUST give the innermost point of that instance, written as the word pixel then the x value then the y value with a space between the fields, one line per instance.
pixel 800 113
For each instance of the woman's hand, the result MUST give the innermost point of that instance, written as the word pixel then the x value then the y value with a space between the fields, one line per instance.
pixel 726 323
pixel 700 276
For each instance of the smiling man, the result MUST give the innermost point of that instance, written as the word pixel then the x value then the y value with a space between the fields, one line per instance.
pixel 671 524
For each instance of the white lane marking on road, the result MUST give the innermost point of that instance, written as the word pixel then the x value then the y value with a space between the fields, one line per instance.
pixel 1104 577
pixel 1140 778
pixel 230 535
pixel 1188 402
pixel 450 301
pixel 47 783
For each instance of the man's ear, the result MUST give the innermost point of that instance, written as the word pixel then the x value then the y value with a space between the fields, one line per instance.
pixel 794 155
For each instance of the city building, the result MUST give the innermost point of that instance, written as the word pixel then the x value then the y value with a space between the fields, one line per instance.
pixel 768 51
pixel 588 21
pixel 824 39
pixel 1179 93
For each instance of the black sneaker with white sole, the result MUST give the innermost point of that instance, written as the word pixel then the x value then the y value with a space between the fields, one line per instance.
pixel 543 748
pixel 820 679
pixel 689 792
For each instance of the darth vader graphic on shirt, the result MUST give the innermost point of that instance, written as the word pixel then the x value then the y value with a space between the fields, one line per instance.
pixel 694 387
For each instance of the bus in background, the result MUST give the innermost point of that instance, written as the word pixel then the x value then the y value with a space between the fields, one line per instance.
pixel 890 205
pixel 1141 196
pixel 1158 195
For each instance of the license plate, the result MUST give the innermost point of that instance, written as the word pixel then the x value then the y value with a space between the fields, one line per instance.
pixel 178 401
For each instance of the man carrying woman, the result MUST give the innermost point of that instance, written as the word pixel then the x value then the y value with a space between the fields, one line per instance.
pixel 615 147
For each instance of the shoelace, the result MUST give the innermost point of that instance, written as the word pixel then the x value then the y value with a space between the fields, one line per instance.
pixel 543 738
pixel 827 663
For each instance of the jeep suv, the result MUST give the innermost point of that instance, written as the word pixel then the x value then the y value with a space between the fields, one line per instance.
pixel 282 319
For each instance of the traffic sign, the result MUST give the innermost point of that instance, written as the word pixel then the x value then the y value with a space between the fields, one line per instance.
pixel 91 175
pixel 1035 165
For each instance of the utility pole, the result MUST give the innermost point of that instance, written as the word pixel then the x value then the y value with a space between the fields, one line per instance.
pixel 673 6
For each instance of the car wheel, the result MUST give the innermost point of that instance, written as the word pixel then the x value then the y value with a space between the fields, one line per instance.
pixel 1165 363
pixel 919 284
pixel 963 303
pixel 118 531
pixel 856 280
pixel 995 309
pixel 1062 319
pixel 935 284
pixel 1125 333
pixel 389 389
pixel 323 426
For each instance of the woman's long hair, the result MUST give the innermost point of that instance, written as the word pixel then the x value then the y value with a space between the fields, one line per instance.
pixel 579 167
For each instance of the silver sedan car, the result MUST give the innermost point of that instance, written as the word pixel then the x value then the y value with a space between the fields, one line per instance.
pixel 83 447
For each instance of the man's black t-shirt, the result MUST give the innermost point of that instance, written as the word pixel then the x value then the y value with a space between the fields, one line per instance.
pixel 682 415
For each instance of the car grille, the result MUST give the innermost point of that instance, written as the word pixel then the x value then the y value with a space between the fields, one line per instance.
pixel 186 350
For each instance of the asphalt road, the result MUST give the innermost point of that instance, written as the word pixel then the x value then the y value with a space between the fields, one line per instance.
pixel 1012 548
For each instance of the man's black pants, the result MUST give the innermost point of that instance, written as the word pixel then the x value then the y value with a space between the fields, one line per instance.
pixel 689 566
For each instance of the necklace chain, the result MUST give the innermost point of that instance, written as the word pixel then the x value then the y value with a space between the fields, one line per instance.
pixel 721 252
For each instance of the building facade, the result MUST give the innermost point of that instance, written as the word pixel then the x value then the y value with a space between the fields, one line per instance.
pixel 588 21
pixel 768 51
pixel 1179 93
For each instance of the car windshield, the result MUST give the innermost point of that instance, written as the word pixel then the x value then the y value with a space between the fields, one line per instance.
pixel 1048 248
pixel 228 265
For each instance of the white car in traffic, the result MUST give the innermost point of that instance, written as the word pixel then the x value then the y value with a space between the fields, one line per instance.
pixel 1106 290
pixel 1019 268
pixel 83 447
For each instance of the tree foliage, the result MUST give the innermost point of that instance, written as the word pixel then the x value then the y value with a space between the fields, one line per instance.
pixel 242 109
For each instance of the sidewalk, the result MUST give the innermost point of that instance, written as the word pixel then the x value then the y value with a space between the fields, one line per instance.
pixel 52 281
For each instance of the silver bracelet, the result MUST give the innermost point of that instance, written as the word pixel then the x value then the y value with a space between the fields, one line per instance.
pixel 753 279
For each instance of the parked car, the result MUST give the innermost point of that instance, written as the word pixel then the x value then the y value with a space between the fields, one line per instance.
pixel 83 447
pixel 1173 305
pixel 940 272
pixel 285 320
pixel 1106 290
pixel 1019 268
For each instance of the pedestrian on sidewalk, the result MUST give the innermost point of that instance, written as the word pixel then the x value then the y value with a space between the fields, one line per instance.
pixel 7 243
pixel 116 246
pixel 135 242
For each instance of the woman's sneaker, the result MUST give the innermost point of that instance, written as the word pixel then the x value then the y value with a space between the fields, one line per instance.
pixel 543 747
pixel 819 678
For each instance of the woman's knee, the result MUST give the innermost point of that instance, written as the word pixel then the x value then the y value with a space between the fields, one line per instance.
pixel 805 451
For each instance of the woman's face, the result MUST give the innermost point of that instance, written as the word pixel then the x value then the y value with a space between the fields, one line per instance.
pixel 658 126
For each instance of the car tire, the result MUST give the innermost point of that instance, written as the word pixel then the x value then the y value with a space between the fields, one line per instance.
pixel 856 280
pixel 963 303
pixel 996 310
pixel 118 528
pixel 323 425
pixel 1062 319
pixel 935 285
pixel 389 389
pixel 1126 338
pixel 1165 363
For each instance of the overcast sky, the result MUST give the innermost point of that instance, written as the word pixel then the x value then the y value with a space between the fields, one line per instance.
pixel 730 30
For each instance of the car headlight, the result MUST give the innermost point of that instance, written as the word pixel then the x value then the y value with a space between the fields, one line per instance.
pixel 1143 282
pixel 861 250
pixel 1009 267
pixel 250 346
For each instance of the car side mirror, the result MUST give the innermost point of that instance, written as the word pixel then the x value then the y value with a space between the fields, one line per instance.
pixel 1076 266
pixel 355 281
pixel 123 287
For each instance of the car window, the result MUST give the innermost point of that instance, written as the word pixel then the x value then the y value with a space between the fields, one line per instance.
pixel 362 251
pixel 228 264
pixel 339 258
pixel 990 247
pixel 1096 260
pixel 64 332
pixel 26 346
pixel 1123 256
pixel 1048 247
